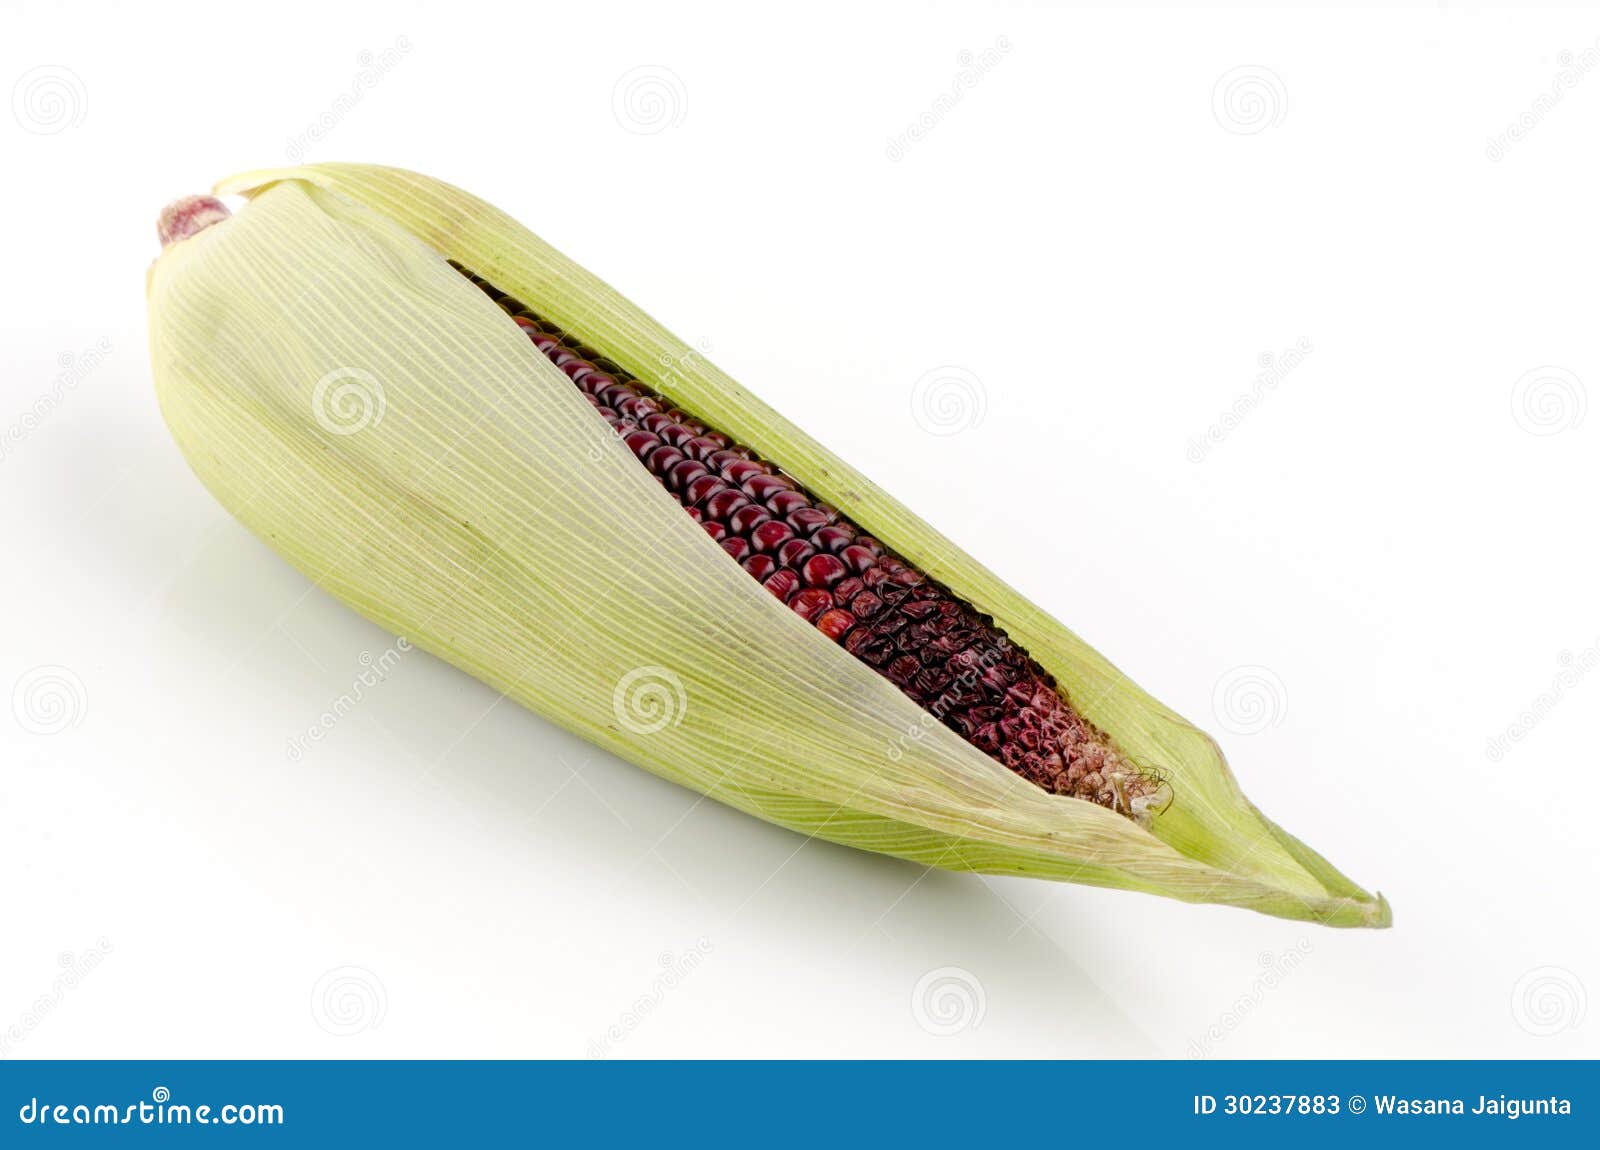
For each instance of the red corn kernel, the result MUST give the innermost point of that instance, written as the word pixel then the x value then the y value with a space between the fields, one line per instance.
pixel 682 474
pixel 628 409
pixel 835 624
pixel 724 503
pixel 771 535
pixel 701 448
pixel 782 584
pixel 699 490
pixel 641 443
pixel 810 603
pixel 857 558
pixel 746 519
pixel 742 469
pixel 764 485
pixel 822 571
pixel 805 520
pixel 865 605
pixel 781 503
pixel 661 459
pixel 795 552
pixel 833 538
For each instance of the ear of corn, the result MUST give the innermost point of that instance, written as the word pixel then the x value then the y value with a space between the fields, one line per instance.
pixel 948 659
pixel 484 509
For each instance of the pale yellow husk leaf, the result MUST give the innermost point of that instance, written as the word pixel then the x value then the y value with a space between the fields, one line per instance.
pixel 377 419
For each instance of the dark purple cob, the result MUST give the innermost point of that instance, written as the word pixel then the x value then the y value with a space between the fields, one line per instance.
pixel 951 660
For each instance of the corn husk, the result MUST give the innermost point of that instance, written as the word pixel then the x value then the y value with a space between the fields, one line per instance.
pixel 374 417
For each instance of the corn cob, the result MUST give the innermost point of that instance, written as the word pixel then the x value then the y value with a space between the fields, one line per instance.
pixel 484 505
pixel 952 661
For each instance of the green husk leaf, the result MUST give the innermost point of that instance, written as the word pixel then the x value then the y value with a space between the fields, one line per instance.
pixel 487 513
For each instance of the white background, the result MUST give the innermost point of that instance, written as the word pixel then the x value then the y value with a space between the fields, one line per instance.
pixel 1396 542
